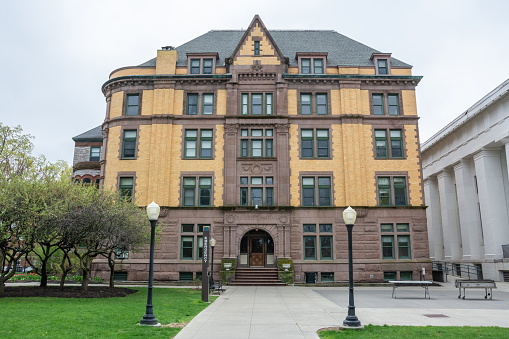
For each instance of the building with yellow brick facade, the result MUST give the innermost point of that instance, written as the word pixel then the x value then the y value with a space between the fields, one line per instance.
pixel 266 137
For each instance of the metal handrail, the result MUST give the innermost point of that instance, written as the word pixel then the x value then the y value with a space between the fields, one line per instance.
pixel 451 268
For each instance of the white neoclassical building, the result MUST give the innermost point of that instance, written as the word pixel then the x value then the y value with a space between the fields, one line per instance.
pixel 466 187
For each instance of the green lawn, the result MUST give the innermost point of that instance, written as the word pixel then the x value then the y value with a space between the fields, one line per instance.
pixel 98 318
pixel 371 331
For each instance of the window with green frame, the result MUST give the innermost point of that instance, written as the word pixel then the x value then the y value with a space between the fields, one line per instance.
pixel 256 143
pixel 309 191
pixel 192 104
pixel 389 276
pixel 95 154
pixel 327 276
pixel 256 104
pixel 207 66
pixel 129 144
pixel 402 236
pixel 393 104
pixel 405 276
pixel 205 190
pixel 189 187
pixel 305 66
pixel 132 105
pixel 307 143
pixel 188 238
pixel 396 143
pixel 252 191
pixel 399 191
pixel 378 104
pixel 208 104
pixel 318 66
pixel 321 104
pixel 382 66
pixel 191 143
pixel 398 198
pixel 384 191
pixel 195 66
pixel 305 103
pixel 257 48
pixel 310 247
pixel 381 144
pixel 324 236
pixel 126 186
pixel 185 276
pixel 206 143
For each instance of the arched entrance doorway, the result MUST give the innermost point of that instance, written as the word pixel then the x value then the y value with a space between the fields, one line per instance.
pixel 257 249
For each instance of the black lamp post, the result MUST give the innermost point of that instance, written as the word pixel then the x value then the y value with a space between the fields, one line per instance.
pixel 351 320
pixel 211 280
pixel 153 214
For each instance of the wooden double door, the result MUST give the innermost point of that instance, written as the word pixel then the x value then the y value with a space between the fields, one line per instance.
pixel 257 244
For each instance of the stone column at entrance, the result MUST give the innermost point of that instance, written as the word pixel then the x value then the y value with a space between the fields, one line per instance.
pixel 471 234
pixel 450 221
pixel 493 202
pixel 435 232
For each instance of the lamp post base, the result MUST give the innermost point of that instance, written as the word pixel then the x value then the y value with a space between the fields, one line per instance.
pixel 352 321
pixel 149 320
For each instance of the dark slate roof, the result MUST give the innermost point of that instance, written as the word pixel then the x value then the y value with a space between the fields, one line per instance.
pixel 90 136
pixel 342 51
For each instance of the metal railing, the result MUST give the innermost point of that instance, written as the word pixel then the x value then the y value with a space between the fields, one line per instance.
pixel 458 269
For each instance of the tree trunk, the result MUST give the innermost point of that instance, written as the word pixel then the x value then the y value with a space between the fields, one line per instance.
pixel 111 262
pixel 64 269
pixel 44 273
pixel 84 283
pixel 1 286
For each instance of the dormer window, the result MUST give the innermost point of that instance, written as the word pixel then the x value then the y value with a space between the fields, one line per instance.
pixel 311 63
pixel 201 63
pixel 382 63
pixel 382 66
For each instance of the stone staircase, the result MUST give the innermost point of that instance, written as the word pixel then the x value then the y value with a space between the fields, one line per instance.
pixel 256 276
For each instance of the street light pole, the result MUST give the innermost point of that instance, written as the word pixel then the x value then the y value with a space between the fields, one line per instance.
pixel 211 280
pixel 351 320
pixel 153 214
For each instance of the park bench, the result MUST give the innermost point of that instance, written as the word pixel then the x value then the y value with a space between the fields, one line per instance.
pixel 216 286
pixel 411 283
pixel 486 284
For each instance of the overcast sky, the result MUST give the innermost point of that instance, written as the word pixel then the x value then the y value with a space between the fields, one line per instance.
pixel 55 55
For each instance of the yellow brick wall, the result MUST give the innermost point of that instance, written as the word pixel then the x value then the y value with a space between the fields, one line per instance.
pixel 348 70
pixel 367 71
pixel 158 165
pixel 401 71
pixel 221 102
pixel 133 71
pixel 332 70
pixel 220 70
pixel 335 102
pixel 293 70
pixel 147 102
pixel 166 61
pixel 292 102
pixel 353 165
pixel 181 70
pixel 117 100
pixel 409 102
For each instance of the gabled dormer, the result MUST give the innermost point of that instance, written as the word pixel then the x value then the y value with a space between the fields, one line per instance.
pixel 257 48
pixel 382 63
pixel 312 63
pixel 201 63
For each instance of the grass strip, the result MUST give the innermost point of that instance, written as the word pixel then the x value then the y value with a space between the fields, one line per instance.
pixel 371 331
pixel 99 317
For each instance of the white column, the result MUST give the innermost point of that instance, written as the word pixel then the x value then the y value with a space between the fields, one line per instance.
pixel 495 221
pixel 450 220
pixel 470 226
pixel 435 232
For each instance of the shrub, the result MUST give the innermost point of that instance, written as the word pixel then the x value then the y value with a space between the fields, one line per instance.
pixel 97 279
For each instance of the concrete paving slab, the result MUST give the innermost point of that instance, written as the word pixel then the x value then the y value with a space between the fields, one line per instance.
pixel 298 312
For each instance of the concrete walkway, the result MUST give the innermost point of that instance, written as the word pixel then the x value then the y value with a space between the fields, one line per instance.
pixel 298 312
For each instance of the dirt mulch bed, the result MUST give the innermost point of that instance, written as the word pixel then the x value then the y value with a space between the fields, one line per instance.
pixel 67 292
